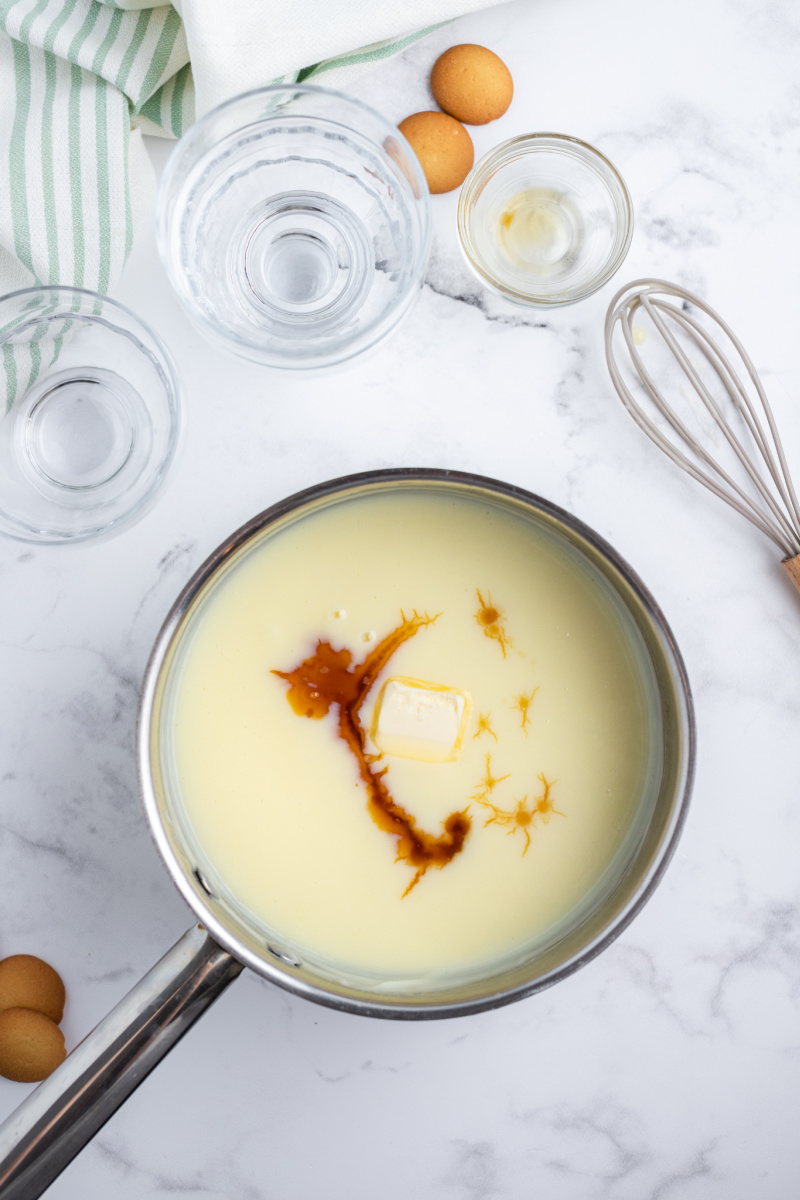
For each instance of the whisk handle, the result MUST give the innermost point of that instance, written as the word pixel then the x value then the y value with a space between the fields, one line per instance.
pixel 792 566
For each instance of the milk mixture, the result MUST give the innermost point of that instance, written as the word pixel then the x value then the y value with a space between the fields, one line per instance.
pixel 410 735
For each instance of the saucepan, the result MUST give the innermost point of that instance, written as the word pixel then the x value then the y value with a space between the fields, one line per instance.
pixel 68 1108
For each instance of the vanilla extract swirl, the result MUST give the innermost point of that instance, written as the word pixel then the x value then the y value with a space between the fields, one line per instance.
pixel 329 678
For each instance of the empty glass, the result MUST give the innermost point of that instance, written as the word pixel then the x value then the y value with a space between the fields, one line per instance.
pixel 544 219
pixel 294 224
pixel 89 412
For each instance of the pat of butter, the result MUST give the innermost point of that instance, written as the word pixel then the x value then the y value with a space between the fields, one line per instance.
pixel 425 721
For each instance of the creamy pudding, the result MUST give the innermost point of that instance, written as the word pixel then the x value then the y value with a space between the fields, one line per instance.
pixel 413 733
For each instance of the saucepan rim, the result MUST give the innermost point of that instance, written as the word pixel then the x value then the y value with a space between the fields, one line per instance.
pixel 273 966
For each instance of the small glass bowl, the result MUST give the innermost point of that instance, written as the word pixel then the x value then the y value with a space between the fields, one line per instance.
pixel 294 224
pixel 544 220
pixel 89 414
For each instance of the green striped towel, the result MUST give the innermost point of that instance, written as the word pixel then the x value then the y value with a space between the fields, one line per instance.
pixel 81 80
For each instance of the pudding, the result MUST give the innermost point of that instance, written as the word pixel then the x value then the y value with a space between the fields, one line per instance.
pixel 413 734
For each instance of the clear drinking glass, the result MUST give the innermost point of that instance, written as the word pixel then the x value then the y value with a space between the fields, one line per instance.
pixel 89 414
pixel 294 224
pixel 544 219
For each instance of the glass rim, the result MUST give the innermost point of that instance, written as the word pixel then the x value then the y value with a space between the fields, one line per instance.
pixel 248 348
pixel 571 147
pixel 69 289
pixel 11 528
pixel 490 992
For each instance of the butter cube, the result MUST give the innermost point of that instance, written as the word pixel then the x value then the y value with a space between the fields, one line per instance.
pixel 425 721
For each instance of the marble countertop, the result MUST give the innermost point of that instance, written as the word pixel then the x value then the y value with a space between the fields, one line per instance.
pixel 669 1067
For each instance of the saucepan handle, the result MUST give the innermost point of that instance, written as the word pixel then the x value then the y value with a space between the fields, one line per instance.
pixel 48 1129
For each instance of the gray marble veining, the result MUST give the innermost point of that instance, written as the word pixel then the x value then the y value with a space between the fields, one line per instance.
pixel 667 1069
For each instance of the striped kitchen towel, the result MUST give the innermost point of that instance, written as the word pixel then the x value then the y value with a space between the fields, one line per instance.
pixel 81 80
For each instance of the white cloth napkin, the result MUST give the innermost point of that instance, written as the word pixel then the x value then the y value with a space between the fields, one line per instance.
pixel 80 80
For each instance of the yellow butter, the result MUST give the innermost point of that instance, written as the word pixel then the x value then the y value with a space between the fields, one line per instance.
pixel 423 721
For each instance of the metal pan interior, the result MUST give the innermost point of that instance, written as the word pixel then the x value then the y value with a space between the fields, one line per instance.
pixel 610 903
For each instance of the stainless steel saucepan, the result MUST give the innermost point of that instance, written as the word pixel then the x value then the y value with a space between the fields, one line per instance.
pixel 68 1108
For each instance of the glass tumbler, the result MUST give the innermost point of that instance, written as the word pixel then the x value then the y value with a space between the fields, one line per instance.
pixel 89 414
pixel 544 220
pixel 294 224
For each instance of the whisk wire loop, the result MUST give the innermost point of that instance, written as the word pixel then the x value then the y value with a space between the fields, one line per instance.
pixel 774 510
pixel 746 508
pixel 741 400
pixel 738 392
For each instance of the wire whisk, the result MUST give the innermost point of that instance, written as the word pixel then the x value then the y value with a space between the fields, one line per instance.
pixel 719 391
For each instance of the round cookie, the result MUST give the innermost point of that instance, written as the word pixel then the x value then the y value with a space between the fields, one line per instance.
pixel 31 1045
pixel 472 84
pixel 29 982
pixel 443 147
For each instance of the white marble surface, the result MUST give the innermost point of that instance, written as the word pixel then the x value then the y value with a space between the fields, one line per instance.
pixel 668 1069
